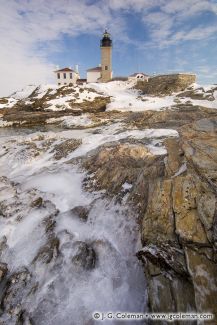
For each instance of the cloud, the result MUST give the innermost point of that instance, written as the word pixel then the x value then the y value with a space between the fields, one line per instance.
pixel 134 5
pixel 31 30
pixel 172 22
pixel 186 8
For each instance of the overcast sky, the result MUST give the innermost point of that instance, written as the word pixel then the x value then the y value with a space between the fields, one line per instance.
pixel 153 36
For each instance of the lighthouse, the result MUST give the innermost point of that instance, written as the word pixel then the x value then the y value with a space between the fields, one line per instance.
pixel 106 57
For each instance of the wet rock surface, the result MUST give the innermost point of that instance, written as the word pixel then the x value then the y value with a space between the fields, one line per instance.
pixel 80 212
pixel 188 203
pixel 64 148
pixel 176 198
pixel 85 256
pixel 49 251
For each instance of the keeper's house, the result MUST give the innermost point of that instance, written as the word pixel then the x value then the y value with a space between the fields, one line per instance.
pixel 67 76
pixel 138 76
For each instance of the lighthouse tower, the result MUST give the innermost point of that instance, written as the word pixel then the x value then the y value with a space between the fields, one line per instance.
pixel 106 57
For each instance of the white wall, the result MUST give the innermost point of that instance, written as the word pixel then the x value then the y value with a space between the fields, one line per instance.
pixel 62 81
pixel 92 76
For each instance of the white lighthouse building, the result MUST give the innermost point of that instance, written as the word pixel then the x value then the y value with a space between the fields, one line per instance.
pixel 103 72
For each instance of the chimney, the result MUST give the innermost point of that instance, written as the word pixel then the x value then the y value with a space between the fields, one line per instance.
pixel 76 68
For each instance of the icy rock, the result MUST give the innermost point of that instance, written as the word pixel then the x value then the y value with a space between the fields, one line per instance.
pixel 85 256
pixel 49 251
pixel 3 270
pixel 37 203
pixel 23 319
pixel 3 244
pixel 15 291
pixel 81 212
pixel 64 148
pixel 49 224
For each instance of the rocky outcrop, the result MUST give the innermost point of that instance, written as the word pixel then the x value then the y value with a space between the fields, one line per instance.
pixel 175 197
pixel 172 195
pixel 178 226
pixel 38 107
pixel 3 100
pixel 166 84
pixel 27 116
pixel 199 93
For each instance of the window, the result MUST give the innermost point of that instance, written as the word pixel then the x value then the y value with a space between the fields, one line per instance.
pixel 58 75
pixel 106 67
pixel 70 75
pixel 59 83
pixel 64 75
pixel 65 83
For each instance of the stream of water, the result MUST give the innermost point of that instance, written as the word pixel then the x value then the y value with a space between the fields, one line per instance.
pixel 68 293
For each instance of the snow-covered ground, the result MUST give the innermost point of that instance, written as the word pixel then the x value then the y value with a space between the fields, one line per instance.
pixel 76 94
pixel 123 97
pixel 79 95
pixel 201 102
pixel 68 121
pixel 62 290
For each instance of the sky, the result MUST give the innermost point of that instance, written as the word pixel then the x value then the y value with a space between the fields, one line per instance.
pixel 150 36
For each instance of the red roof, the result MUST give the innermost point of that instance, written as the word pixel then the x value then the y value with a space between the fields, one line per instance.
pixel 65 70
pixel 95 69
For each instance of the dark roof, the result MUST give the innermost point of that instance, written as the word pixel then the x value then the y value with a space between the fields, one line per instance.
pixel 106 40
pixel 135 74
pixel 95 69
pixel 80 81
pixel 65 70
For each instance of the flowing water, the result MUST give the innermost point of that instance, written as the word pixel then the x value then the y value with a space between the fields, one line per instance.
pixel 95 267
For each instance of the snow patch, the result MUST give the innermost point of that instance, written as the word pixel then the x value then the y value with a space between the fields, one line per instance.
pixel 70 121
